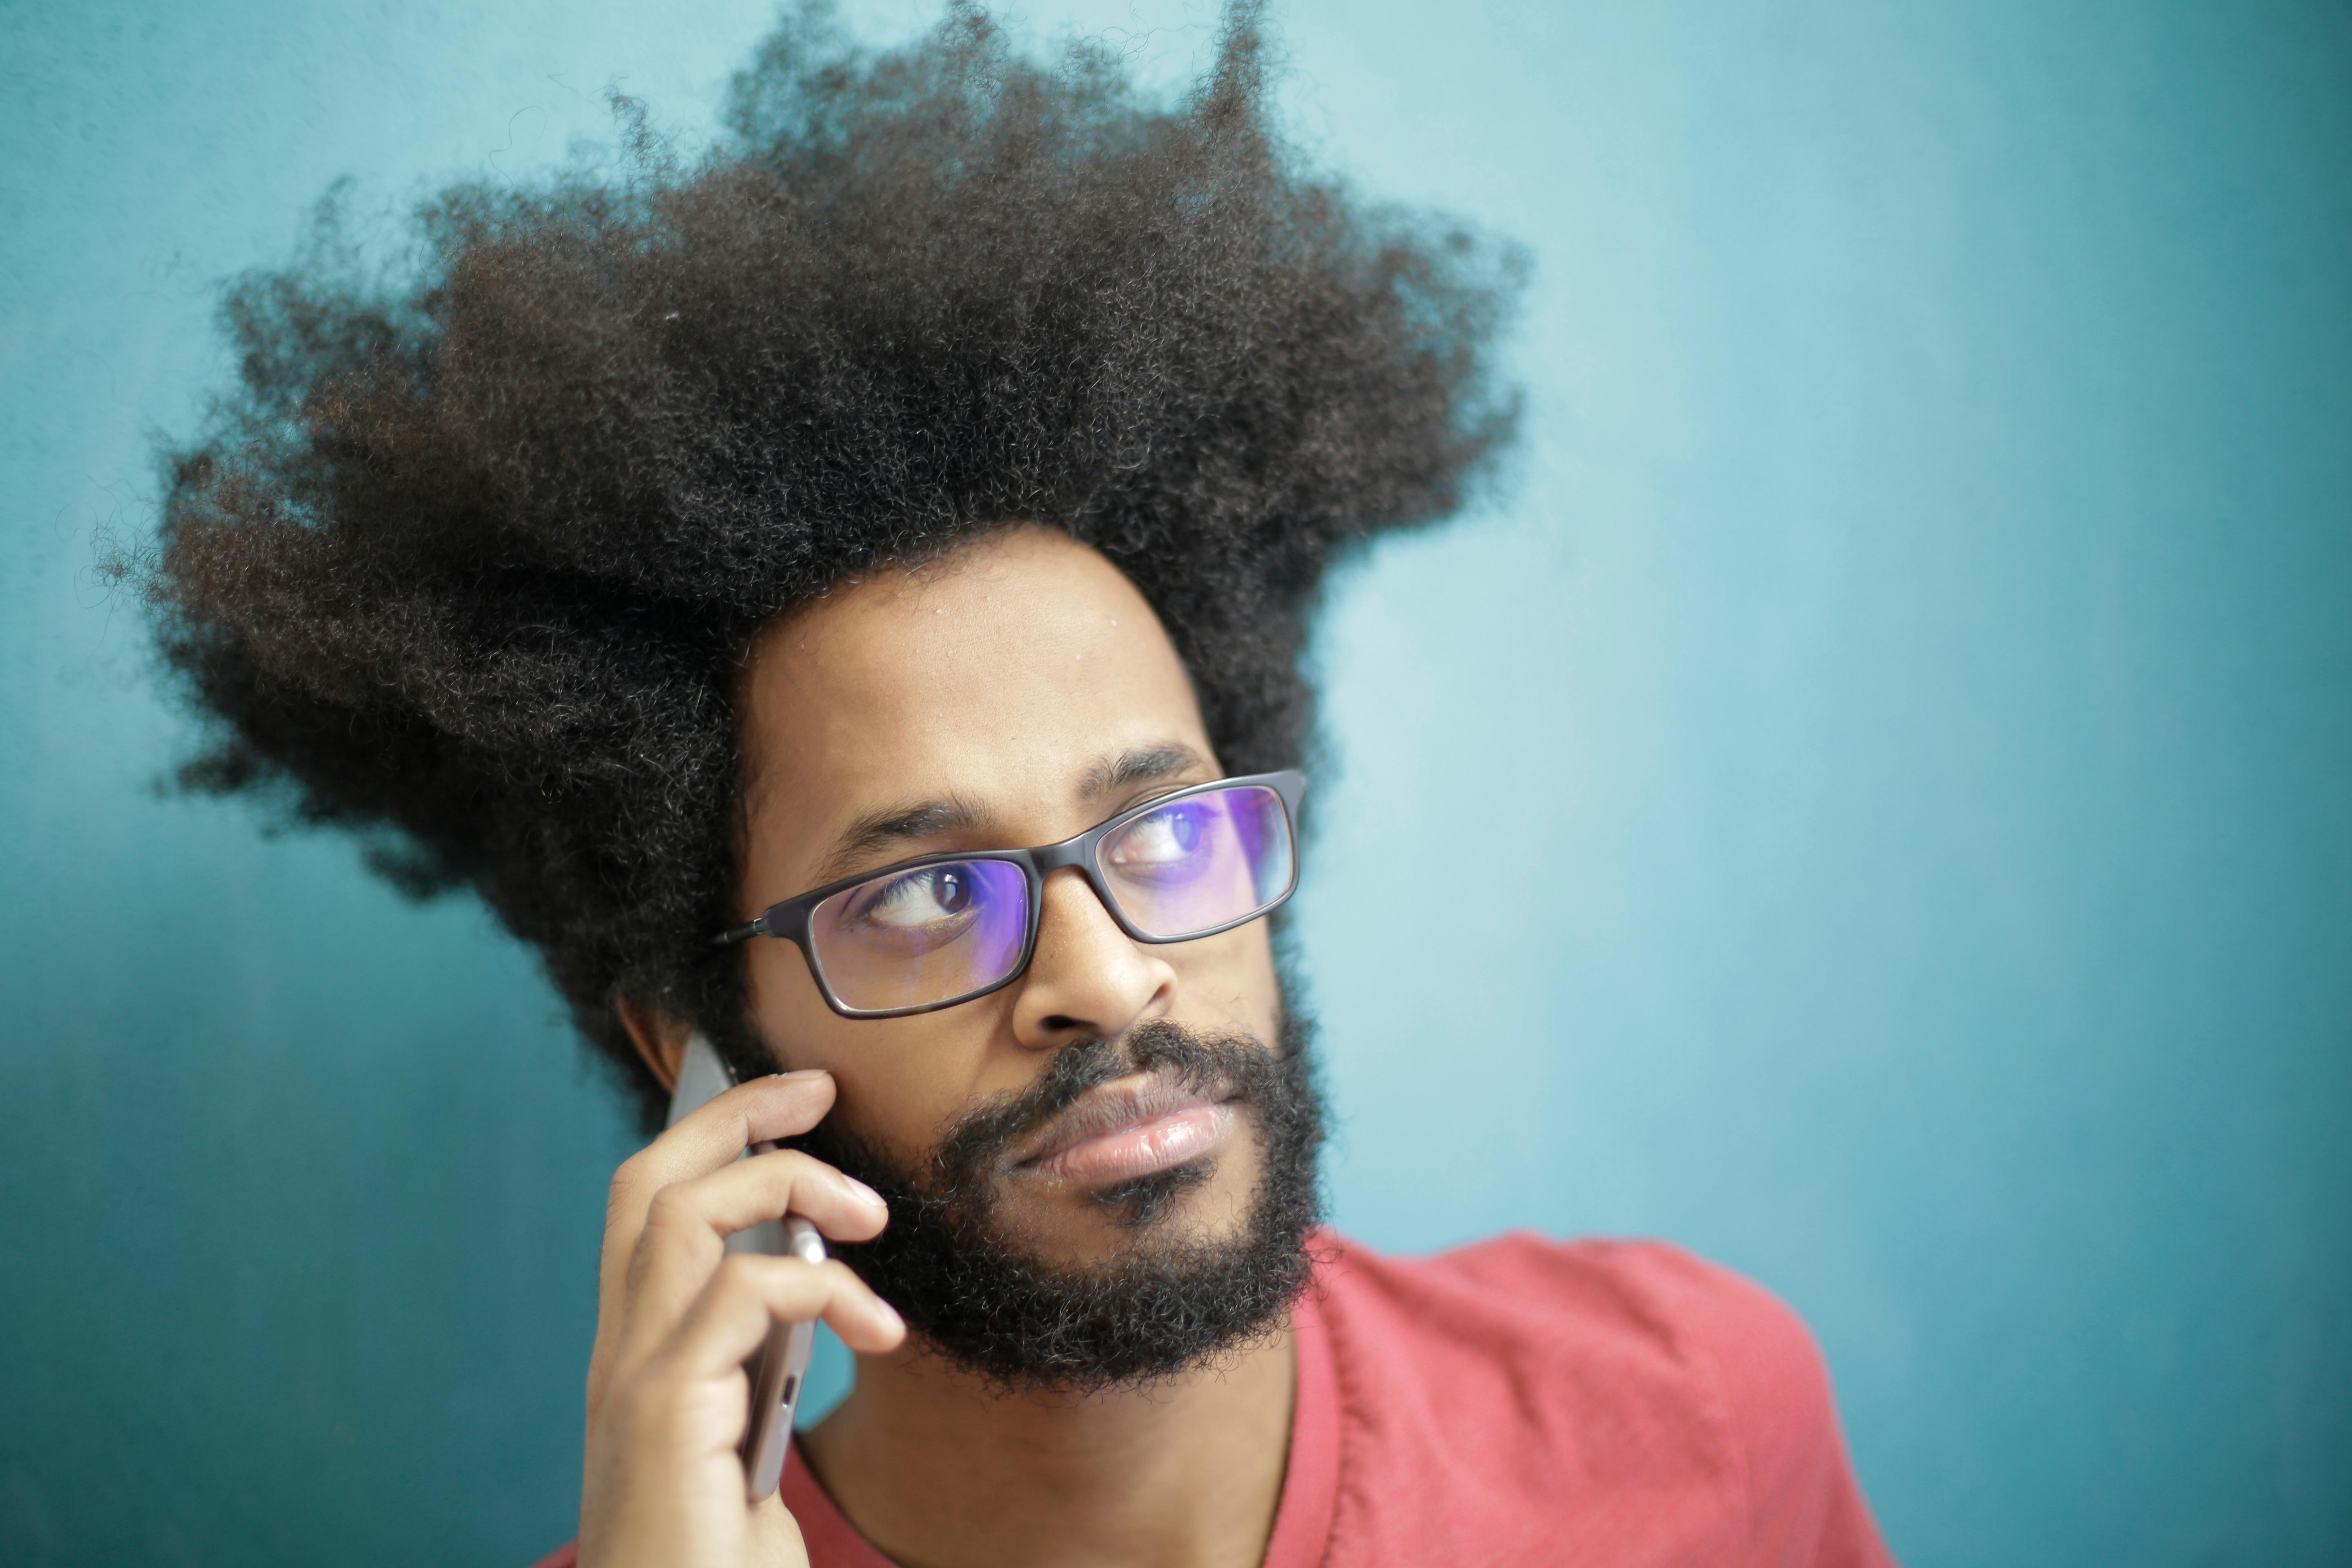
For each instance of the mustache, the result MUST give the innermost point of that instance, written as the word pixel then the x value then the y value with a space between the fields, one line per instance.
pixel 1237 1064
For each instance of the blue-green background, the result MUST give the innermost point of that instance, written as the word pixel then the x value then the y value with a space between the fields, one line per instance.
pixel 1873 801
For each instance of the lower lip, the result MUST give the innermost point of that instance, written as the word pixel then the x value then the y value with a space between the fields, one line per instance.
pixel 1159 1144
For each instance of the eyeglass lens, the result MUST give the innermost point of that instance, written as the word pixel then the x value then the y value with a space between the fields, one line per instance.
pixel 942 932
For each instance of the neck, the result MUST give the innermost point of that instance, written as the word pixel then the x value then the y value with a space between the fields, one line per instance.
pixel 938 1472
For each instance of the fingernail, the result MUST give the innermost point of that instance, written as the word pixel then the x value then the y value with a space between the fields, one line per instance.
pixel 864 1194
pixel 804 1074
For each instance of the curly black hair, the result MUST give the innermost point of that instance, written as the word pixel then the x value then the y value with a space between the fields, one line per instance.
pixel 470 559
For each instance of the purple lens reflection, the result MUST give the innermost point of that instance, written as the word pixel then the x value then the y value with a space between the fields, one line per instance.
pixel 1200 862
pixel 922 936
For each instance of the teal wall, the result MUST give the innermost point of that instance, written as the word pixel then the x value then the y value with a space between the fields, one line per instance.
pixel 1907 689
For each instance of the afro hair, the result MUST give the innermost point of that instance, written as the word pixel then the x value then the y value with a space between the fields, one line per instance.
pixel 468 559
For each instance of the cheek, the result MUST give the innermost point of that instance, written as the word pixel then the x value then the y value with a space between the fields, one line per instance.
pixel 1229 981
pixel 900 1079
pixel 792 1018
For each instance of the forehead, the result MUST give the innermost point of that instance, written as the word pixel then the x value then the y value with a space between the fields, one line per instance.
pixel 999 676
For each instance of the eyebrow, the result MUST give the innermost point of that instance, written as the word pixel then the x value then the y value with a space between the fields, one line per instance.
pixel 895 825
pixel 898 825
pixel 1142 764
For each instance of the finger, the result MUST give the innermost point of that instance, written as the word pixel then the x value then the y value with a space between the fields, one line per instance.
pixel 707 1139
pixel 688 1223
pixel 712 1134
pixel 749 1291
pixel 763 1187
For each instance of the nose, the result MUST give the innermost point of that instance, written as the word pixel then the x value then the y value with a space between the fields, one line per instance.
pixel 1088 979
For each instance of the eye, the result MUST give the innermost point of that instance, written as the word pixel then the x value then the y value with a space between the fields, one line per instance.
pixel 1165 841
pixel 921 898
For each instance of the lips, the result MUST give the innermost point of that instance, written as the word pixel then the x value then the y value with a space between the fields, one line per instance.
pixel 1129 1128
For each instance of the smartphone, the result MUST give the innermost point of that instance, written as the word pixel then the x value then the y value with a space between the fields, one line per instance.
pixel 779 1368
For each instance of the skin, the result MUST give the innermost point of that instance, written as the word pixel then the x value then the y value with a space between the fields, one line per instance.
pixel 1024 683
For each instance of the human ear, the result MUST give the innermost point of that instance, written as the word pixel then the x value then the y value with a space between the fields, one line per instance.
pixel 660 1039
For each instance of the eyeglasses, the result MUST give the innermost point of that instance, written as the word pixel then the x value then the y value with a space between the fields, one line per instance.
pixel 931 932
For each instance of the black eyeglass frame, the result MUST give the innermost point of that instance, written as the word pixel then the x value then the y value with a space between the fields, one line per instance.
pixel 789 920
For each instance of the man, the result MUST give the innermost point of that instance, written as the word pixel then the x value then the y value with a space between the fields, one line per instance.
pixel 844 598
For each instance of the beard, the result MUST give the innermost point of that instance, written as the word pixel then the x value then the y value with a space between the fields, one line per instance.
pixel 1162 1305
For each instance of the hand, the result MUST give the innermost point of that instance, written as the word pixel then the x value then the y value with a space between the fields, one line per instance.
pixel 677 1315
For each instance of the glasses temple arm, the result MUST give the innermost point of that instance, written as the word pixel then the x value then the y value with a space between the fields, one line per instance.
pixel 743 932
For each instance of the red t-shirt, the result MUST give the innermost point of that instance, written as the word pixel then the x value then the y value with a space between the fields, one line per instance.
pixel 1525 1401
